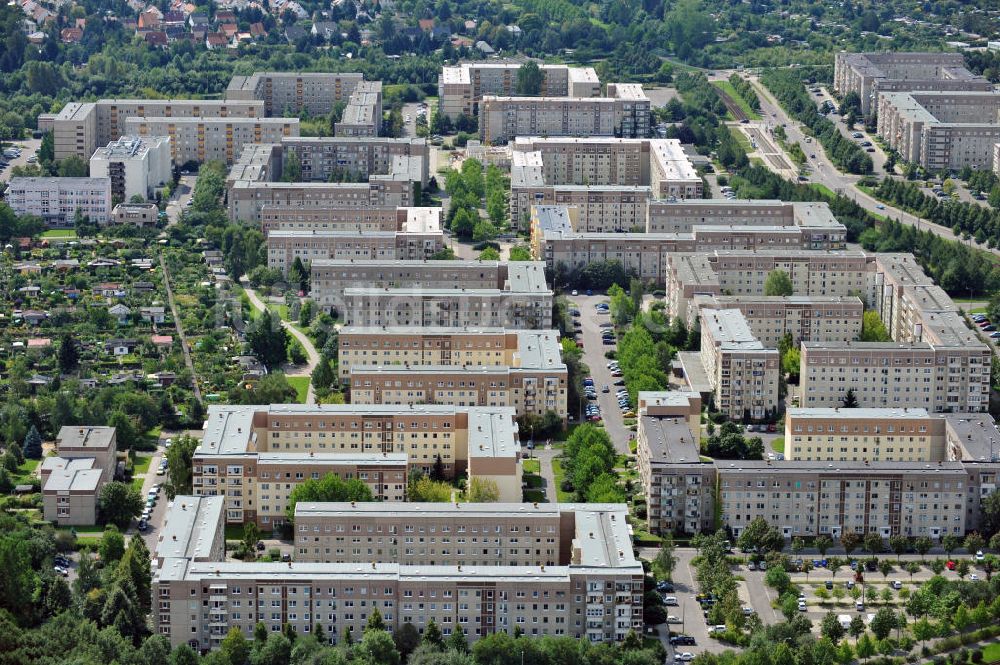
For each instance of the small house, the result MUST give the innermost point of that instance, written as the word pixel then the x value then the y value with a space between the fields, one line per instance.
pixel 120 313
pixel 120 347
pixel 153 314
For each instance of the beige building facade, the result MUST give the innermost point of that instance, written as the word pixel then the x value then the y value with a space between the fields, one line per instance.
pixel 742 373
pixel 85 461
pixel 284 246
pixel 461 88
pixel 291 93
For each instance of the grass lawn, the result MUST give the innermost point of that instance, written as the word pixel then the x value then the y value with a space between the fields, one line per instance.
pixel 301 385
pixel 59 233
pixel 742 139
pixel 778 445
pixel 280 310
pixel 137 483
pixel 531 466
pixel 234 532
pixel 727 87
pixel 824 190
pixel 140 463
pixel 557 471
pixel 991 653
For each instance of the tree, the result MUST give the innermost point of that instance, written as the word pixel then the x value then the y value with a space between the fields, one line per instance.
pixel 407 639
pixel 422 488
pixel 235 647
pixel 990 515
pixel 974 543
pixel 32 447
pixel 529 79
pixel 330 487
pixel 291 170
pixel 885 567
pixel 666 559
pixel 899 544
pixel 519 253
pixel 457 641
pixel 251 534
pixel 962 568
pixel 760 537
pixel 922 545
pixel 937 566
pixel 831 628
pixel 267 340
pixel 872 328
pixel 778 579
pixel 179 465
pixel 69 357
pixel 857 626
pixel 882 623
pixel 823 543
pixel 375 621
pixel 432 635
pixel 873 543
pixel 865 648
pixel 73 166
pixel 119 503
pixel 950 543
pixel 912 567
pixel 377 648
pixel 850 399
pixel 112 547
pixel 489 254
pixel 922 630
pixel 850 540
pixel 778 283
pixel 483 490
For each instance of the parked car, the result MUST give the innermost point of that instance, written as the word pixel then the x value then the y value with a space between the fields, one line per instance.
pixel 670 601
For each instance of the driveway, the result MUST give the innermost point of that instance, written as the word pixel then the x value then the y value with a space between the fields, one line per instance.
pixel 593 357
pixel 181 195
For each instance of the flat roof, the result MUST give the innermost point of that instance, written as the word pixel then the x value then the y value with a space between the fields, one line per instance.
pixel 694 371
pixel 85 436
pixel 366 509
pixel 977 434
pixel 603 538
pixel 493 433
pixel 670 440
pixel 74 480
pixel 539 349
pixel 729 328
pixel 190 527
pixel 526 277
pixel 298 458
pixel 859 413
pixel 423 331
pixel 881 468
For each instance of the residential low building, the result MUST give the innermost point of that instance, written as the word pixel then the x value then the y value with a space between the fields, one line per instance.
pixel 85 461
pixel 136 214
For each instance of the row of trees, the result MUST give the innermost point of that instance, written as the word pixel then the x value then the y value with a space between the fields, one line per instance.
pixel 786 86
pixel 966 219
pixel 470 189
pixel 730 443
pixel 745 90
pixel 589 463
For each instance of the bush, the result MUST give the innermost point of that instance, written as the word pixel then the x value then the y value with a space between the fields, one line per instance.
pixel 977 655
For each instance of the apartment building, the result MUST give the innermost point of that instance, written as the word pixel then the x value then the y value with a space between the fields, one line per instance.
pixel 863 435
pixel 822 229
pixel 935 361
pixel 624 112
pixel 255 455
pixel 86 459
pixel 461 88
pixel 974 440
pixel 336 172
pixel 407 220
pixel 532 378
pixel 941 130
pixel 612 181
pixel 80 127
pixel 805 318
pixel 743 273
pixel 805 499
pixel 200 139
pixel 291 93
pixel 872 74
pixel 363 114
pixel 742 373
pixel 136 166
pixel 194 530
pixel 284 246
pixel 435 534
pixel 555 239
pixel 58 200
pixel 434 293
pixel 594 591
pixel 896 375
pixel 679 487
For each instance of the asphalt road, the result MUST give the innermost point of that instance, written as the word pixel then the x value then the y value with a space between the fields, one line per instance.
pixel 593 357
pixel 825 173
pixel 182 194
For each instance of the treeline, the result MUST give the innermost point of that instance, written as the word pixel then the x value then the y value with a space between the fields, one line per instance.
pixel 745 91
pixel 589 462
pixel 958 269
pixel 977 221
pixel 786 86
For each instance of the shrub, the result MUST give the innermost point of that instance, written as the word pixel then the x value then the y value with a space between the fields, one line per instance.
pixel 977 655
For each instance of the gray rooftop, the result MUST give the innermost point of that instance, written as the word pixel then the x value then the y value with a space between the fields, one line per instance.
pixel 729 328
pixel 85 436
pixel 190 527
pixel 977 435
pixel 670 440
pixel 860 413
pixel 493 433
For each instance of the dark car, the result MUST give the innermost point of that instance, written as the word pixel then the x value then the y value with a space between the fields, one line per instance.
pixel 682 640
pixel 668 587
pixel 143 525
pixel 260 545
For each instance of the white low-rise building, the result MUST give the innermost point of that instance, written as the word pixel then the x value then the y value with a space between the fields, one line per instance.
pixel 57 200
pixel 136 165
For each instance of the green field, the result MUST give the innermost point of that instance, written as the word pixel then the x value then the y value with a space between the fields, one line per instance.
pixel 301 385
pixel 778 445
pixel 532 466
pixel 137 483
pixel 557 471
pixel 727 87
pixel 824 190
pixel 991 653
pixel 140 464
pixel 59 233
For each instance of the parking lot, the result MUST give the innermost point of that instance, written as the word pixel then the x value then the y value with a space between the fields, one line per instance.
pixel 18 153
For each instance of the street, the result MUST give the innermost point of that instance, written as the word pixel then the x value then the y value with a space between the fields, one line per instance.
pixel 178 200
pixel 826 174
pixel 593 356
